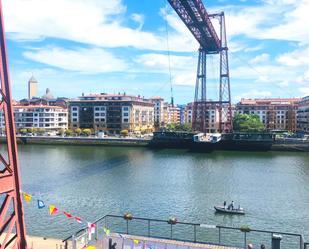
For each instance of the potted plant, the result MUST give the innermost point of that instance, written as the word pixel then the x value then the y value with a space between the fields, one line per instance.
pixel 245 229
pixel 128 216
pixel 172 220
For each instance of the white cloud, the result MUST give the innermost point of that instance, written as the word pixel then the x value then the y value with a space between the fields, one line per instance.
pixel 260 58
pixel 96 22
pixel 254 94
pixel 275 19
pixel 296 58
pixel 90 61
pixel 304 91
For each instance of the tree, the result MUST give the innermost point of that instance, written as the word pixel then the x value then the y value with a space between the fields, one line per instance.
pixel 30 130
pixel 68 132
pixel 61 132
pixel 23 131
pixel 247 123
pixel 179 127
pixel 78 131
pixel 87 132
pixel 41 131
pixel 124 132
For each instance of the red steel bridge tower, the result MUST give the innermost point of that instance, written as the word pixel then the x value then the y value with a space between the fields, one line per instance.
pixel 12 225
pixel 194 15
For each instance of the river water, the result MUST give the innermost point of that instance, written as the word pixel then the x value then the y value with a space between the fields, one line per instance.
pixel 93 181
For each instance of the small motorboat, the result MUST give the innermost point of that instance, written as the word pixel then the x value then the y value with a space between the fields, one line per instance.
pixel 222 209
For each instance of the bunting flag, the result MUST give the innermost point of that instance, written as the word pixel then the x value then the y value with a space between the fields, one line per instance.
pixel 27 197
pixel 41 204
pixel 90 247
pixel 91 229
pixel 106 231
pixel 53 210
pixel 68 215
pixel 78 219
pixel 135 241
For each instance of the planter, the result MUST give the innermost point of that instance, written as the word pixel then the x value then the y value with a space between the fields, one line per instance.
pixel 245 229
pixel 128 216
pixel 172 220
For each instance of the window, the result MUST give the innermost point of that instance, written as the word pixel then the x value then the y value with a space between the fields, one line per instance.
pixel 103 108
pixel 125 120
pixel 74 114
pixel 74 108
pixel 97 120
pixel 97 114
pixel 102 119
pixel 126 114
pixel 97 108
pixel 74 119
pixel 125 108
pixel 103 114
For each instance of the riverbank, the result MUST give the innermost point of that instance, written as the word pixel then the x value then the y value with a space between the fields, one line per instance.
pixel 56 140
pixel 279 145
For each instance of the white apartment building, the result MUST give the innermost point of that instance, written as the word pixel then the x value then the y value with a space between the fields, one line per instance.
pixel 47 117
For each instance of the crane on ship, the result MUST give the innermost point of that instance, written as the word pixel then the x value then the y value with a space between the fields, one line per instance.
pixel 194 15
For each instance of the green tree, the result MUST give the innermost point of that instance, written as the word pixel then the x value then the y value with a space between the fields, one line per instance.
pixel 68 132
pixel 247 123
pixel 61 132
pixel 78 131
pixel 179 127
pixel 41 131
pixel 124 133
pixel 30 130
pixel 23 131
pixel 87 132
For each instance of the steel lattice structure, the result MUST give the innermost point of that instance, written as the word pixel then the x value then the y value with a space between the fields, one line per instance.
pixel 194 15
pixel 12 226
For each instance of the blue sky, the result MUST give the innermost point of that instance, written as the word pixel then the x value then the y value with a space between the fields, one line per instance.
pixel 78 46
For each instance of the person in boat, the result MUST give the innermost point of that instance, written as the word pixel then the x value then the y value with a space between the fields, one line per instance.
pixel 224 204
pixel 232 205
pixel 262 246
pixel 250 246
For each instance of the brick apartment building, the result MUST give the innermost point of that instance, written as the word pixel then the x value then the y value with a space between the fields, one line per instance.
pixel 276 114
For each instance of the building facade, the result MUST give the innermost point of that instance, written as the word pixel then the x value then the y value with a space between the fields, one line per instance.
pixel 275 114
pixel 112 113
pixel 47 117
pixel 160 112
pixel 32 88
pixel 212 121
pixel 303 116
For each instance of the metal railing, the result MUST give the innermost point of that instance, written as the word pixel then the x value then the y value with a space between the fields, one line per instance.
pixel 184 231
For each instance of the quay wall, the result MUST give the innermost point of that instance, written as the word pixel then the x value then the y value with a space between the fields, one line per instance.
pixel 50 140
pixel 278 145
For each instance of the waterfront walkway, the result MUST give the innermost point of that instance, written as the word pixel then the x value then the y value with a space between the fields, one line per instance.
pixel 120 241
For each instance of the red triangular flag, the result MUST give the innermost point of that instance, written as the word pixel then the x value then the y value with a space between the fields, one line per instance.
pixel 78 219
pixel 68 215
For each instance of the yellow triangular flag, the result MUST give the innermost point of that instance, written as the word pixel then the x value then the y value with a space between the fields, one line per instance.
pixel 53 210
pixel 135 241
pixel 27 197
pixel 90 247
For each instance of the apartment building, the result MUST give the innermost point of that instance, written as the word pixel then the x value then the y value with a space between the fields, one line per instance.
pixel 275 114
pixel 159 112
pixel 47 117
pixel 303 116
pixel 211 116
pixel 112 113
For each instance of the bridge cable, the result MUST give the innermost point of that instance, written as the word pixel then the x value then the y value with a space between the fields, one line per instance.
pixel 168 51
